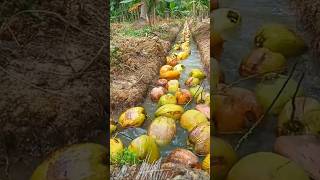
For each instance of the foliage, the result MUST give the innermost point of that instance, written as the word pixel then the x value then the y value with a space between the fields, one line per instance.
pixel 161 8
pixel 127 158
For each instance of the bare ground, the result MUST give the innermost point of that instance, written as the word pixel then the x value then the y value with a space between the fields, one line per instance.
pixel 53 74
pixel 201 34
pixel 137 64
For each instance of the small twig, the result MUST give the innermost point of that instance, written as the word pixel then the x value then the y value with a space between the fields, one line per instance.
pixel 250 131
pixel 253 76
pixel 294 97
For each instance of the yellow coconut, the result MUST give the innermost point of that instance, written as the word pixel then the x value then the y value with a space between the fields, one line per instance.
pixel 163 130
pixel 133 117
pixel 266 166
pixel 206 163
pixel 145 148
pixel 224 157
pixel 170 110
pixel 191 118
pixel 116 149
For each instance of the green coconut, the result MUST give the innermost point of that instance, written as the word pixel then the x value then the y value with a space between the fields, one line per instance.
pixel 262 60
pixel 303 105
pixel 196 90
pixel 170 110
pixel 266 166
pixel 179 67
pixel 267 90
pixel 224 157
pixel 197 73
pixel 203 98
pixel 278 38
pixel 192 81
pixel 173 86
pixel 225 19
pixel 311 122
pixel 167 99
pixel 66 163
pixel 163 130
pixel 145 148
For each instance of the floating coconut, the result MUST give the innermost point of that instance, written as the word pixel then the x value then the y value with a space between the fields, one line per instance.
pixel 224 157
pixel 133 117
pixel 303 105
pixel 278 38
pixel 266 166
pixel 262 60
pixel 163 130
pixel 191 118
pixel 167 99
pixel 268 88
pixel 170 110
pixel 145 148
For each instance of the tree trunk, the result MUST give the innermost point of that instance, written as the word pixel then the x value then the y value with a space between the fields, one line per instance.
pixel 144 11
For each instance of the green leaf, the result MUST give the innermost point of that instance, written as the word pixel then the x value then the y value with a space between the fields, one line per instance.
pixel 126 1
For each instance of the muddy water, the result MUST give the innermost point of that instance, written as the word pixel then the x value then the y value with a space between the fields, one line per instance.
pixel 239 43
pixel 193 61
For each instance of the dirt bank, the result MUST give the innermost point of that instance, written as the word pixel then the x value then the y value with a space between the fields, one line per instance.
pixel 136 61
pixel 53 74
pixel 201 35
pixel 309 13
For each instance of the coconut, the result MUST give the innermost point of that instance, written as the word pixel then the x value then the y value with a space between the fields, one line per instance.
pixel 191 82
pixel 268 89
pixel 196 90
pixel 183 96
pixel 75 162
pixel 170 110
pixel 167 99
pixel 184 157
pixel 311 122
pixel 145 147
pixel 116 149
pixel 266 166
pixel 204 108
pixel 224 157
pixel 179 67
pixel 262 60
pixel 172 60
pixel 303 105
pixel 112 128
pixel 206 163
pixel 172 74
pixel 191 118
pixel 173 86
pixel 157 92
pixel 162 82
pixel 203 98
pixel 133 117
pixel 200 137
pixel 163 130
pixel 225 19
pixel 197 73
pixel 235 109
pixel 278 38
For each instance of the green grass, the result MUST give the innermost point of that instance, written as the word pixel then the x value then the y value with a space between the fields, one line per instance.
pixel 127 158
